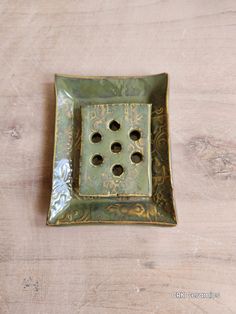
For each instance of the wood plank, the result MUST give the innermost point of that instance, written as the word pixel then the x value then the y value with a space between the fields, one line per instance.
pixel 119 269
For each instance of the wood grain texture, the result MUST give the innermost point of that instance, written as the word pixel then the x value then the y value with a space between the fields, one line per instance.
pixel 119 269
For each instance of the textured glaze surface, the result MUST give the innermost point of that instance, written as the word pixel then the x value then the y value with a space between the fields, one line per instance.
pixel 99 179
pixel 67 205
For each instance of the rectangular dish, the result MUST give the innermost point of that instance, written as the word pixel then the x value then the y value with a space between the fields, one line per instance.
pixel 71 204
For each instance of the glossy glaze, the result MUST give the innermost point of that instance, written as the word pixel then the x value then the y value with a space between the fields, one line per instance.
pixel 68 206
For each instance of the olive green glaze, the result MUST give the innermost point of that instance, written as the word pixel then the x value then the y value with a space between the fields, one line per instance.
pixel 68 206
pixel 98 160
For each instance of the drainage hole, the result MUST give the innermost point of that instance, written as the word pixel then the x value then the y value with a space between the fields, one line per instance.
pixel 96 137
pixel 116 147
pixel 117 170
pixel 135 135
pixel 114 125
pixel 136 157
pixel 97 160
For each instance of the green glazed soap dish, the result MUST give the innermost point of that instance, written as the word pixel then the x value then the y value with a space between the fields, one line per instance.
pixel 111 154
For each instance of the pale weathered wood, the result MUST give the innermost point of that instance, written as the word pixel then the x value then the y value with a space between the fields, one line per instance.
pixel 119 269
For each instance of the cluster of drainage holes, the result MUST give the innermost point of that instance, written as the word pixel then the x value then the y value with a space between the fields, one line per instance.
pixel 116 147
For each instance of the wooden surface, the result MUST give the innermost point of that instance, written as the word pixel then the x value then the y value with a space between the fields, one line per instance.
pixel 119 269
